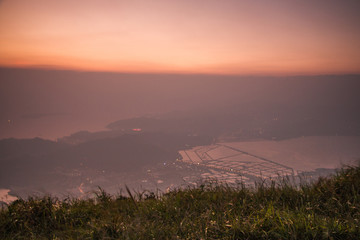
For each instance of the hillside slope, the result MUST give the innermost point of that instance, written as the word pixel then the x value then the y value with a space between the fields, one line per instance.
pixel 327 209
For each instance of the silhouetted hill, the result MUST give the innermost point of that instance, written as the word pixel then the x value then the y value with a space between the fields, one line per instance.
pixel 124 153
pixel 38 162
pixel 85 136
pixel 17 147
pixel 255 120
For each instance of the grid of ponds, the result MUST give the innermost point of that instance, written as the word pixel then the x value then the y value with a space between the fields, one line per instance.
pixel 231 165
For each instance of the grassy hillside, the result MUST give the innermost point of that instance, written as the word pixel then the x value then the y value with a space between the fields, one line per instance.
pixel 328 209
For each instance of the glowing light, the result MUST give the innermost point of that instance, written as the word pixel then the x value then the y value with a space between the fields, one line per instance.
pixel 231 37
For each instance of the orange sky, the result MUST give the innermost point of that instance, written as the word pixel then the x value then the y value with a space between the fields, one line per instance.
pixel 184 36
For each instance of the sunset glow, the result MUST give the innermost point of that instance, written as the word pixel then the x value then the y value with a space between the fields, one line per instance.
pixel 212 37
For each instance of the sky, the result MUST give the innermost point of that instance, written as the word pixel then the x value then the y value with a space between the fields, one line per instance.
pixel 235 37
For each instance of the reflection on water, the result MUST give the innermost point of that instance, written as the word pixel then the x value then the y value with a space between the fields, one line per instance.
pixel 50 127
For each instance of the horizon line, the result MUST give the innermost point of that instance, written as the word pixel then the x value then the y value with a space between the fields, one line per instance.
pixel 64 69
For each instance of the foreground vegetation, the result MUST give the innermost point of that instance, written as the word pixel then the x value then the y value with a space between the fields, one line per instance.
pixel 327 209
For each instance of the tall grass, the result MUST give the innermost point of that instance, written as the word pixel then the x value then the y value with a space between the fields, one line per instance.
pixel 327 209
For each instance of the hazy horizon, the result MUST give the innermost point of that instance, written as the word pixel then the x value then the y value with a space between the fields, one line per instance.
pixel 55 103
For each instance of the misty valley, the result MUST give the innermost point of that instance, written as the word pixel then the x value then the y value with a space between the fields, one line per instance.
pixel 161 132
pixel 228 145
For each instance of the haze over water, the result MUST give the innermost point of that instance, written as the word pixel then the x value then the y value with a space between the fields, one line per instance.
pixel 126 88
